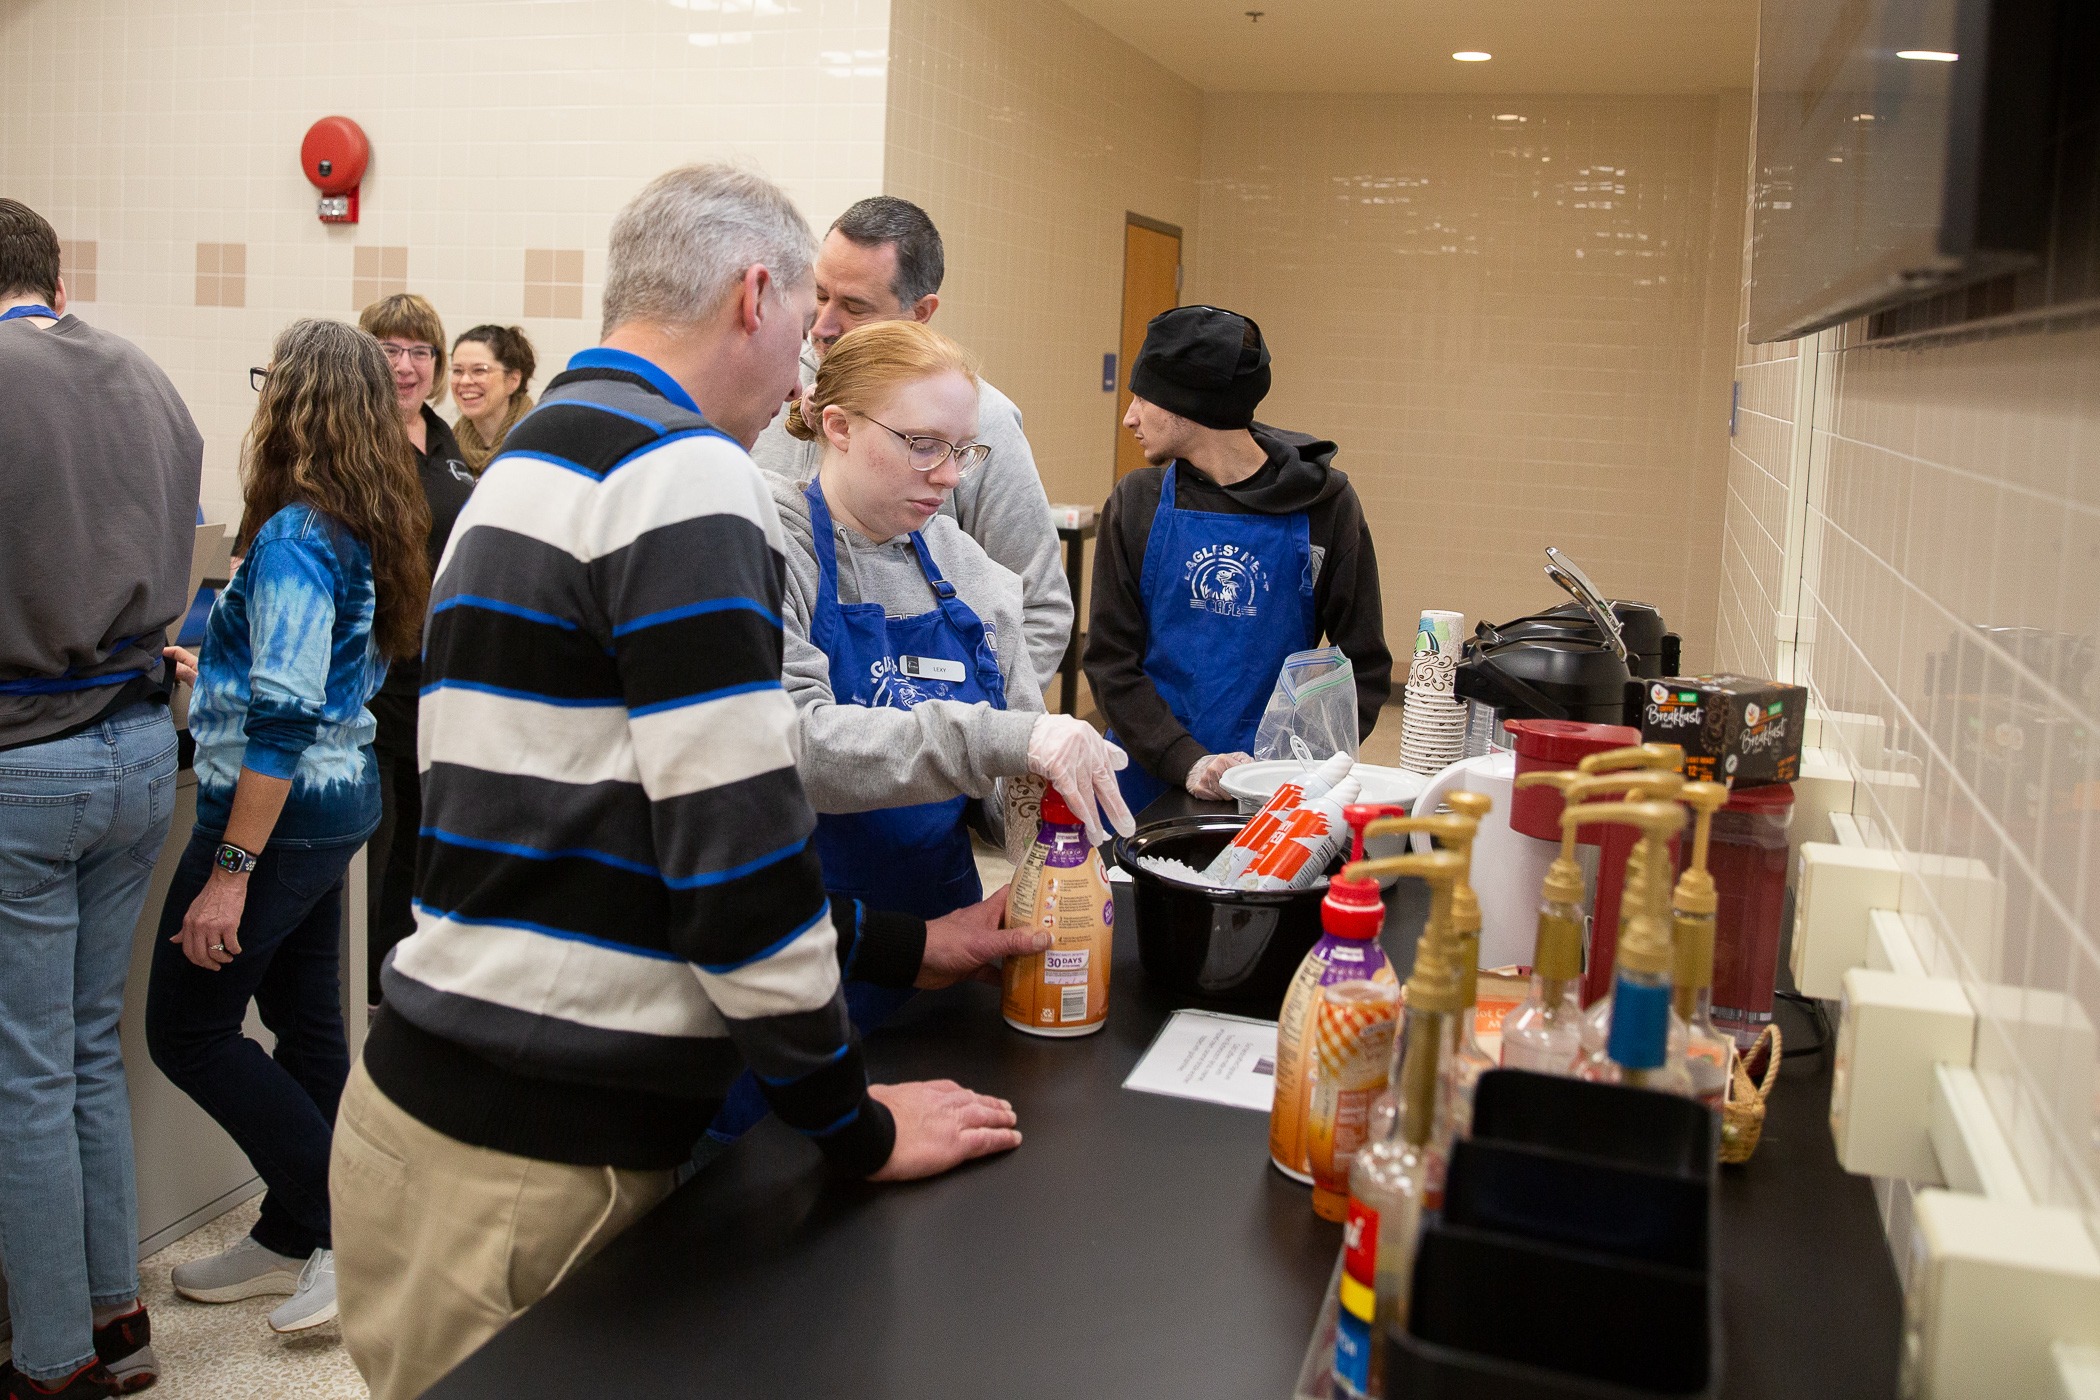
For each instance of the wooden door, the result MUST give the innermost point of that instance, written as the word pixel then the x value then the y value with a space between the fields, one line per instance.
pixel 1151 284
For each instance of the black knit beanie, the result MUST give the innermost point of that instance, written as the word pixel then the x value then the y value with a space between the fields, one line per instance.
pixel 1206 364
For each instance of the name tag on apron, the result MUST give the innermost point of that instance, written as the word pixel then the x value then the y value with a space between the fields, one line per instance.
pixel 932 668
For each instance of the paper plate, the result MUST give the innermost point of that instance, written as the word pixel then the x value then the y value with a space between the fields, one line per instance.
pixel 1255 783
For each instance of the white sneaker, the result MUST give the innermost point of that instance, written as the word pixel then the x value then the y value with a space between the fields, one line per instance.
pixel 314 1302
pixel 247 1270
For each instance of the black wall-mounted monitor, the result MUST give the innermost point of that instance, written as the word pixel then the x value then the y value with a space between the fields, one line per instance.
pixel 1904 147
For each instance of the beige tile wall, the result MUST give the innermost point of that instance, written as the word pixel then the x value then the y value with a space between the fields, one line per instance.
pixel 1027 133
pixel 149 129
pixel 1951 533
pixel 1514 315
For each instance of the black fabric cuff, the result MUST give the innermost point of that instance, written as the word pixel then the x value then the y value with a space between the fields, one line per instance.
pixel 861 1147
pixel 889 949
pixel 1183 754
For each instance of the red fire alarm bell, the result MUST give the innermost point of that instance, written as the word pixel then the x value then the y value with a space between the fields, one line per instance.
pixel 333 157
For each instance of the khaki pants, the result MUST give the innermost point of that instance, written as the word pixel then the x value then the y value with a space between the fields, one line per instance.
pixel 438 1245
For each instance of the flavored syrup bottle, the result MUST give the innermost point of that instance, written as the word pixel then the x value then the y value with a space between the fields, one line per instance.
pixel 1545 1033
pixel 1389 1181
pixel 1709 1055
pixel 1472 1059
pixel 1633 785
pixel 1637 1048
pixel 1061 889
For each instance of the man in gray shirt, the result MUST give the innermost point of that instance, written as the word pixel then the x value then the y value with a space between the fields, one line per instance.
pixel 99 463
pixel 882 261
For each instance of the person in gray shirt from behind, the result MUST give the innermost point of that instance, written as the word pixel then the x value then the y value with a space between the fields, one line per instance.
pixel 882 261
pixel 99 463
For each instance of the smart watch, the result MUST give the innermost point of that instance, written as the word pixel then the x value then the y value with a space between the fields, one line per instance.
pixel 233 860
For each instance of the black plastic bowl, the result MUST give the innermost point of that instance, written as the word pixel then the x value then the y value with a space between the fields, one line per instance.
pixel 1235 946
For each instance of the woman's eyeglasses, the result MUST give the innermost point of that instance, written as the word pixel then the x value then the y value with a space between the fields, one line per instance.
pixel 256 375
pixel 476 373
pixel 420 354
pixel 928 452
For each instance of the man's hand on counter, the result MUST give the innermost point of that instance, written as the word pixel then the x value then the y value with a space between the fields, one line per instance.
pixel 1202 780
pixel 970 943
pixel 941 1125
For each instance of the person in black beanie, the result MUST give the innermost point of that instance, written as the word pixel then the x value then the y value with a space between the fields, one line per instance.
pixel 1239 545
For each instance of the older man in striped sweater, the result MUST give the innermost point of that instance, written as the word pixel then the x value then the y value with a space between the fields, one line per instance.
pixel 619 903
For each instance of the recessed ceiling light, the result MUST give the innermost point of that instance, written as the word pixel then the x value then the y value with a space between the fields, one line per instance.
pixel 1472 56
pixel 1507 117
pixel 1864 117
pixel 1928 55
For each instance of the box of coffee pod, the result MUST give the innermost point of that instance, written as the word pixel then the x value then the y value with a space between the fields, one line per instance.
pixel 1736 730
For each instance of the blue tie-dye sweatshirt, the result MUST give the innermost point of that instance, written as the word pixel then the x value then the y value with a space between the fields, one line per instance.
pixel 288 664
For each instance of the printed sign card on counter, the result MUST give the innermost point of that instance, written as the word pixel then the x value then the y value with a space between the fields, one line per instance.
pixel 1211 1056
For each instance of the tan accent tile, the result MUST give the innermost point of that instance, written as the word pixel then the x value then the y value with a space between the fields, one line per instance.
pixel 538 299
pixel 565 303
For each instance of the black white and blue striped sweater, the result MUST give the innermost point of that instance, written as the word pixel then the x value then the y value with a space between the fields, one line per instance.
pixel 618 899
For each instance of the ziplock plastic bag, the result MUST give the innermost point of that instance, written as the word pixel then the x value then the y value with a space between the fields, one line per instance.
pixel 1314 701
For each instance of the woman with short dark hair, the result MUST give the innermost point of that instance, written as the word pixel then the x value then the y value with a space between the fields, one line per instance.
pixel 413 339
pixel 330 591
pixel 492 368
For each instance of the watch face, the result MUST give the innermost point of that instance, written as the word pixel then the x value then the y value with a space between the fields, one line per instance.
pixel 234 861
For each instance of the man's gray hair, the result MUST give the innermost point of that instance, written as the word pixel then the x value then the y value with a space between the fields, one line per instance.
pixel 681 243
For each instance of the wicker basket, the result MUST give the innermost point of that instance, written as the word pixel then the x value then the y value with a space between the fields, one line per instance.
pixel 1743 1118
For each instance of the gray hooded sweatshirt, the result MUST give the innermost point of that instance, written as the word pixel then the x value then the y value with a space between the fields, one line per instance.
pixel 1001 506
pixel 856 758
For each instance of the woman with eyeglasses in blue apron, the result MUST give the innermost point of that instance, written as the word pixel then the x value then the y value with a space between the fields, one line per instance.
pixel 1238 546
pixel 904 651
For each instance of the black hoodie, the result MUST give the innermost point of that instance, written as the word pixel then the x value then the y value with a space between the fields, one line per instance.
pixel 1297 477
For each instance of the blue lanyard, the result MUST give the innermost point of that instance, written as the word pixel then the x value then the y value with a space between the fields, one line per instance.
pixel 13 313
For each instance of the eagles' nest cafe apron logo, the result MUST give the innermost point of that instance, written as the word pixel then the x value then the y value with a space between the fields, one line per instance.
pixel 1225 579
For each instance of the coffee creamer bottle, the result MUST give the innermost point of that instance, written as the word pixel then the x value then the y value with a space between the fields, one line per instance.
pixel 1061 889
pixel 1348 951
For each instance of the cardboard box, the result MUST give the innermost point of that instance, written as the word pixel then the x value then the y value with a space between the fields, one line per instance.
pixel 1735 729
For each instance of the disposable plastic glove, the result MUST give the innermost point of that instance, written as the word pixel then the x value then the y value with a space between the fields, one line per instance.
pixel 1202 780
pixel 1082 766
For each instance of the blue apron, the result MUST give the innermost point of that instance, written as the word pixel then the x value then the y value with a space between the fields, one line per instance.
pixel 1227 598
pixel 910 860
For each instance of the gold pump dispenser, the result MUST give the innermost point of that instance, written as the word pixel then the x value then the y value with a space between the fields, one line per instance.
pixel 1637 1047
pixel 1708 1054
pixel 1545 1033
pixel 1389 1182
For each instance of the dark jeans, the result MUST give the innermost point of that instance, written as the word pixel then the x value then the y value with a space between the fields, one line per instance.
pixel 279 1109
pixel 390 868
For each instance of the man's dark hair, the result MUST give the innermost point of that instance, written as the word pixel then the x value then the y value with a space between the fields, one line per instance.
pixel 884 218
pixel 29 252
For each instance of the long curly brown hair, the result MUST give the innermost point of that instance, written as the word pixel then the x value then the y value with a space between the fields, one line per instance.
pixel 328 433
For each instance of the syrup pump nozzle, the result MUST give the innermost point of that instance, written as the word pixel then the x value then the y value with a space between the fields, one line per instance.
pixel 1667 756
pixel 1645 945
pixel 1361 814
pixel 1695 900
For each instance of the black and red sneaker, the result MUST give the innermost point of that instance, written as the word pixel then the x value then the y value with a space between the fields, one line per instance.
pixel 125 1345
pixel 90 1382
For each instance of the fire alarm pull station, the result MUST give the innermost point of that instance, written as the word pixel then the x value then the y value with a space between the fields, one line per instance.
pixel 333 158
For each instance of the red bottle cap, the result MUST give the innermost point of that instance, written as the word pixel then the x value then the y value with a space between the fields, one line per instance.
pixel 1352 909
pixel 1057 811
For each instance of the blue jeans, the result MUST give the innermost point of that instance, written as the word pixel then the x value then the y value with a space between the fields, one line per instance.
pixel 82 821
pixel 278 1108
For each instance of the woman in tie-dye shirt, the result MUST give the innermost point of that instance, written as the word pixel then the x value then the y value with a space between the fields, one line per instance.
pixel 331 589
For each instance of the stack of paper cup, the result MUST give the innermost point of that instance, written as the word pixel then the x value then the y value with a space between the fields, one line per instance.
pixel 1433 731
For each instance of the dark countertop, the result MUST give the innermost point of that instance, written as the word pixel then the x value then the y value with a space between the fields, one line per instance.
pixel 1134 1245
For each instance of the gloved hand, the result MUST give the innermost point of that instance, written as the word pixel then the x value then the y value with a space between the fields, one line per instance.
pixel 1082 766
pixel 1202 780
